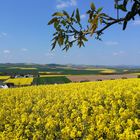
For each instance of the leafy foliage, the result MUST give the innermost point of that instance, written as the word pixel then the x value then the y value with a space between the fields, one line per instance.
pixel 51 80
pixel 70 31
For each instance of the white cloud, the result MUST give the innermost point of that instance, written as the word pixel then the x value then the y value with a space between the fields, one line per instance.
pixel 6 51
pixel 136 22
pixel 65 3
pixel 73 2
pixel 3 34
pixel 24 50
pixel 118 53
pixel 83 16
pixel 111 43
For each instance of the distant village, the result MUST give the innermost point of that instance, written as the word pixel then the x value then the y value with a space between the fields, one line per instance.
pixel 22 76
pixel 9 85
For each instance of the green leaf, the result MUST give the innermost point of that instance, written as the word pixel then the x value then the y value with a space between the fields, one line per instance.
pixel 54 44
pixel 88 12
pixel 73 14
pixel 94 24
pixel 56 24
pixel 101 20
pixel 103 14
pixel 121 7
pixel 91 15
pixel 65 48
pixel 99 10
pixel 59 14
pixel 66 14
pixel 92 6
pixel 124 25
pixel 77 15
pixel 128 16
pixel 125 3
pixel 60 40
pixel 84 38
pixel 63 22
pixel 52 21
pixel 80 43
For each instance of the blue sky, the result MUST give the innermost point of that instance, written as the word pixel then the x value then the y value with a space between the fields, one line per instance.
pixel 25 36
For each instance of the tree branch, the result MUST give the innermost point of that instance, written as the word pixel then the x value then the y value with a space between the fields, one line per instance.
pixel 110 24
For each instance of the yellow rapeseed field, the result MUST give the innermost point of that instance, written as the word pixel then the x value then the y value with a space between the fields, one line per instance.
pixel 4 77
pixel 22 68
pixel 52 75
pixel 90 111
pixel 108 71
pixel 20 81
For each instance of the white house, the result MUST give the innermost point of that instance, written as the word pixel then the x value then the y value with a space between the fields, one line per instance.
pixel 4 86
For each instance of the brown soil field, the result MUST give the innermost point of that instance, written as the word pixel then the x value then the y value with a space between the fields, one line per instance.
pixel 78 78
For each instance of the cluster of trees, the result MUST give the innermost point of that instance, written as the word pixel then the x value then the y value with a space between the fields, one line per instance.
pixel 69 29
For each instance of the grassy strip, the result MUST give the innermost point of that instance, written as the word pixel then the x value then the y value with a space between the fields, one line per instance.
pixel 51 80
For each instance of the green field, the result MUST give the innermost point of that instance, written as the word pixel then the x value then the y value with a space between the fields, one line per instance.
pixel 55 73
pixel 55 69
pixel 51 80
